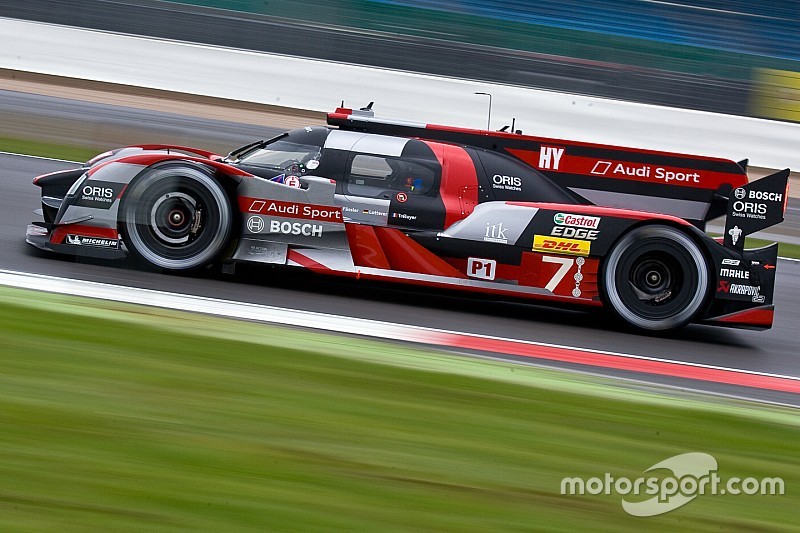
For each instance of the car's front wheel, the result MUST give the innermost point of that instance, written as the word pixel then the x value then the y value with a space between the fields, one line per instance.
pixel 176 218
pixel 655 278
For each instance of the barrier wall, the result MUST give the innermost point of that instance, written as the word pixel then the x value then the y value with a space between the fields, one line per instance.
pixel 317 85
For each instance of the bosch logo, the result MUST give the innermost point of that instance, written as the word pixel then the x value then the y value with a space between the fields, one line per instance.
pixel 402 197
pixel 295 228
pixel 763 195
pixel 739 194
pixel 255 224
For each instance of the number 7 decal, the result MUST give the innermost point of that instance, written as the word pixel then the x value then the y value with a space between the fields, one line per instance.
pixel 566 264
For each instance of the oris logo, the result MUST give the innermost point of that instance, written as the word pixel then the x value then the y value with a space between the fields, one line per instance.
pixel 749 209
pixel 98 192
pixel 509 183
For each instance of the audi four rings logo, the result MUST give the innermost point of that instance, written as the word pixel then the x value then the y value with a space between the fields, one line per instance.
pixel 740 194
pixel 255 224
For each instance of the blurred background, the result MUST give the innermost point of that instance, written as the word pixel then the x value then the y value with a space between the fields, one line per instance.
pixel 735 57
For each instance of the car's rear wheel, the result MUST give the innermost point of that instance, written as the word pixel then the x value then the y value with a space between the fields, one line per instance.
pixel 655 278
pixel 176 218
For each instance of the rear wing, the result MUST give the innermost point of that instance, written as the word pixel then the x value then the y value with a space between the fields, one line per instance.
pixel 756 206
pixel 694 188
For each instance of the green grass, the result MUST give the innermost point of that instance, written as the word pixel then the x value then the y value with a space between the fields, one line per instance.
pixel 784 249
pixel 791 251
pixel 44 149
pixel 116 417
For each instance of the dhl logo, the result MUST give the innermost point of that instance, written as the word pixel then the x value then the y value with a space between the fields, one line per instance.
pixel 546 243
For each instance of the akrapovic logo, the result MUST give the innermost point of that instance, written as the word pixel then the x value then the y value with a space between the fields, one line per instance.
pixel 753 291
pixel 553 245
pixel 581 221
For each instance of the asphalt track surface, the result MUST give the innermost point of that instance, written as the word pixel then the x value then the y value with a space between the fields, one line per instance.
pixel 773 352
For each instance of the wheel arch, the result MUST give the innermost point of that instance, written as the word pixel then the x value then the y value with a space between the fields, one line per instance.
pixel 697 237
pixel 228 185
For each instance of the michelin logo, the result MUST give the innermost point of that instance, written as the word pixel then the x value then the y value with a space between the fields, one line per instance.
pixel 100 242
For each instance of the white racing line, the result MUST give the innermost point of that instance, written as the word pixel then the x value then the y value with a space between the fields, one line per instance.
pixel 383 330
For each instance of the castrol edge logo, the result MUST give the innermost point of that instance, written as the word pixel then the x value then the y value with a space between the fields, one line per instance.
pixel 581 221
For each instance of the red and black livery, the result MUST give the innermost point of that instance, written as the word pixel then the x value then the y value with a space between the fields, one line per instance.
pixel 492 212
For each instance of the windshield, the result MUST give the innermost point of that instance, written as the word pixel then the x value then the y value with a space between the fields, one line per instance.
pixel 282 154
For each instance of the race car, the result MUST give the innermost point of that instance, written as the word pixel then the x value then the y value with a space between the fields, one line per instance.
pixel 495 212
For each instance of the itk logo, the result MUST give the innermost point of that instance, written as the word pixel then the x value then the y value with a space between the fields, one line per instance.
pixel 673 483
pixel 481 268
pixel 735 232
pixel 550 157
pixel 495 233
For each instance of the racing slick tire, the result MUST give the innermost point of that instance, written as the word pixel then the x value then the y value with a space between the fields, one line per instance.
pixel 176 218
pixel 656 278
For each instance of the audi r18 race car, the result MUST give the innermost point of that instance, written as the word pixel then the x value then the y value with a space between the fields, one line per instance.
pixel 486 211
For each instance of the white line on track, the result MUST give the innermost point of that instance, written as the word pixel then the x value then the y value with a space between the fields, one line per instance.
pixel 42 158
pixel 293 317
